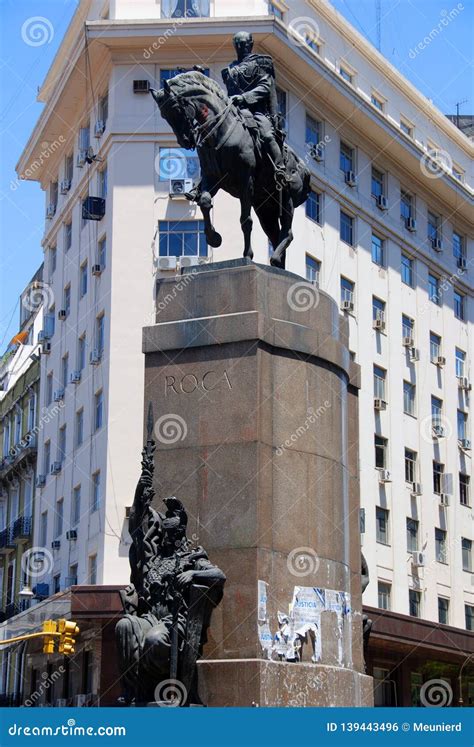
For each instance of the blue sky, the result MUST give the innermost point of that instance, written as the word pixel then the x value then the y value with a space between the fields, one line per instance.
pixel 442 71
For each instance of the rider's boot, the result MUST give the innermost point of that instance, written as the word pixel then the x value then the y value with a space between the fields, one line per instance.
pixel 274 151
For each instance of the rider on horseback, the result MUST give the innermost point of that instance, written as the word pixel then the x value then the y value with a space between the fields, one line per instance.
pixel 250 82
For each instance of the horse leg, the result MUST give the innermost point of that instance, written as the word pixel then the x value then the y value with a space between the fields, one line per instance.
pixel 268 217
pixel 246 223
pixel 204 200
pixel 286 234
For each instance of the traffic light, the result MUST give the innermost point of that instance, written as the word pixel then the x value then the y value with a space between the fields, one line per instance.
pixel 49 626
pixel 68 630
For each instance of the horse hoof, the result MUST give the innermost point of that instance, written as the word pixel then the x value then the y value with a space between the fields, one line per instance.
pixel 248 255
pixel 276 263
pixel 214 239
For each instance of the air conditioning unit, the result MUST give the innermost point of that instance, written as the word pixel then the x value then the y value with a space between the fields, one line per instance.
pixel 414 355
pixel 350 178
pixel 167 263
pixel 141 86
pixel 188 262
pixel 40 481
pixel 417 488
pixel 444 499
pixel 97 270
pixel 62 314
pixel 59 395
pixel 410 224
pixel 439 360
pixel 65 186
pixel 46 348
pixel 382 202
pixel 465 443
pixel 42 336
pixel 464 383
pixel 71 534
pixel 50 211
pixel 56 468
pixel 408 342
pixel 99 128
pixel 438 431
pixel 436 245
pixel 179 187
pixel 379 323
pixel 385 476
pixel 316 151
pixel 61 703
pixel 93 208
pixel 56 544
pixel 461 263
pixel 75 377
pixel 418 559
pixel 347 305
pixel 94 357
pixel 379 404
pixel 81 158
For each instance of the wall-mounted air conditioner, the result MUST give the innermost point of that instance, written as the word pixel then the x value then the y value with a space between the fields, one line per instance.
pixel 379 404
pixel 99 128
pixel 418 559
pixel 56 468
pixel 385 476
pixel 382 202
pixel 417 488
pixel 75 377
pixel 410 224
pixel 65 186
pixel 350 179
pixel 179 187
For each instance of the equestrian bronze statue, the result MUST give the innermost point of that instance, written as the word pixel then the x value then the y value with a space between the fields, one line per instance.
pixel 240 143
pixel 168 605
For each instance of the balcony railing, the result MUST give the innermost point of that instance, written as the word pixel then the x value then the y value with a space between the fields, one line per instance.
pixel 22 528
pixel 6 539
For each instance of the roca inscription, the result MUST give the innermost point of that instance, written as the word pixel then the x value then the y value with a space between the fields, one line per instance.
pixel 190 383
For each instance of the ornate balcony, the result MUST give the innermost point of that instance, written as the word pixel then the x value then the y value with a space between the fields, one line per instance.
pixel 22 528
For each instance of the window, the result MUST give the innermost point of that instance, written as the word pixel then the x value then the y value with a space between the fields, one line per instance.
pixel 103 183
pixel 377 101
pixel 79 427
pixel 414 603
pixel 98 409
pixel 406 127
pixel 433 226
pixel 104 108
pixel 384 687
pixel 99 334
pixel 53 194
pixel 460 356
pixel 69 167
pixel 464 481
pixel 381 445
pixel 313 269
pixel 462 425
pixel 346 158
pixel 47 457
pixel 81 352
pixel 6 438
pixel 313 134
pixel 384 592
pixel 182 238
pixel 67 299
pixel 64 370
pixel 378 250
pixel 95 500
pixel 433 289
pixel 436 412
pixel 441 546
pixel 92 569
pixel 62 443
pixel 49 323
pixel 469 615
pixel 52 259
pixel 347 290
pixel 84 138
pixel 412 534
pixel 380 376
pixel 282 107
pixel 44 529
pixel 409 393
pixel 410 465
pixel 407 270
pixel 72 578
pixel 56 583
pixel 438 479
pixel 58 524
pixel 185 9
pixel 18 424
pixel 377 182
pixel 102 252
pixel 178 163
pixel 313 206
pixel 443 611
pixel 458 305
pixel 466 547
pixel 408 327
pixel 458 246
pixel 76 506
pixel 435 347
pixel 311 41
pixel 381 518
pixel 83 280
pixel 347 228
pixel 67 236
pixel 406 205
pixel 378 308
pixel 345 73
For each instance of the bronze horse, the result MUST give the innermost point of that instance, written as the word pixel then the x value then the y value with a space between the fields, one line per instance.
pixel 203 117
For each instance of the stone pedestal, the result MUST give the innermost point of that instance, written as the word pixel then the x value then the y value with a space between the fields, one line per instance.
pixel 255 402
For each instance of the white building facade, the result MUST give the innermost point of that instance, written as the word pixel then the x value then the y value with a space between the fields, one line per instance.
pixel 386 232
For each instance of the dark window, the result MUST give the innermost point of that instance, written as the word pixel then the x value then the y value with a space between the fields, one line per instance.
pixel 441 550
pixel 412 535
pixel 438 472
pixel 469 613
pixel 384 592
pixel 464 489
pixel 346 158
pixel 377 182
pixel 410 465
pixel 466 546
pixel 313 268
pixel 381 516
pixel 378 250
pixel 185 8
pixel 380 452
pixel 313 206
pixel 407 270
pixel 443 610
pixel 459 302
pixel 414 598
pixel 347 228
pixel 182 238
